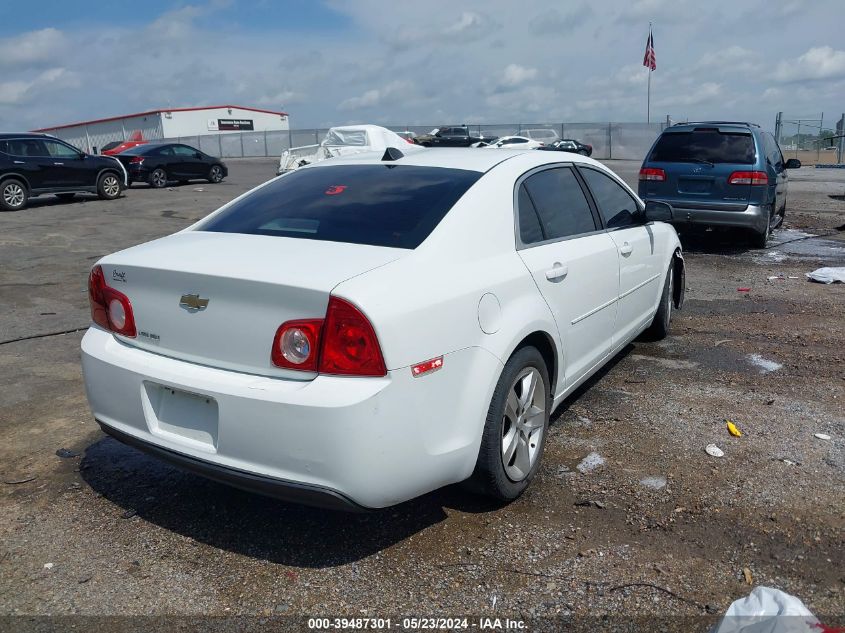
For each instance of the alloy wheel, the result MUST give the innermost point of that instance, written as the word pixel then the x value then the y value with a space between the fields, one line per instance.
pixel 216 174
pixel 13 194
pixel 524 424
pixel 159 178
pixel 111 186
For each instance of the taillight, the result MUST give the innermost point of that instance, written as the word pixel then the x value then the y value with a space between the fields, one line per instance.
pixel 349 345
pixel 652 173
pixel 344 343
pixel 297 345
pixel 136 160
pixel 110 309
pixel 748 178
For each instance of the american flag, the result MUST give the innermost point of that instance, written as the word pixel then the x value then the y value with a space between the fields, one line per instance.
pixel 650 59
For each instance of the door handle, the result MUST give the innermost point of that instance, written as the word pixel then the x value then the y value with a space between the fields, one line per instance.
pixel 626 249
pixel 58 163
pixel 19 162
pixel 558 271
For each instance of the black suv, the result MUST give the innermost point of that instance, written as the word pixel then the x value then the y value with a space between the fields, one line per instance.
pixel 37 164
pixel 458 136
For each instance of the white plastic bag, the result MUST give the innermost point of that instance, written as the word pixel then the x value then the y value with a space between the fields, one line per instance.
pixel 828 275
pixel 767 610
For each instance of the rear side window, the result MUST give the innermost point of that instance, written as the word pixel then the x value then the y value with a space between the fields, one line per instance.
pixel 382 205
pixel 616 205
pixel 560 204
pixel 705 145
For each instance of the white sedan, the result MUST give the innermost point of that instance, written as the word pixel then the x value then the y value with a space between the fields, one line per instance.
pixel 513 142
pixel 364 330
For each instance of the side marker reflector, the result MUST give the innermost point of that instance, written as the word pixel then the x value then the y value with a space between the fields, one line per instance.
pixel 427 367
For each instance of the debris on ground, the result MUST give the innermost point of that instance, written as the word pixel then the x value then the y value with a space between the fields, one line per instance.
pixel 199 189
pixel 714 451
pixel 48 565
pixel 764 364
pixel 65 453
pixel 590 463
pixel 821 436
pixel 746 573
pixel 828 275
pixel 20 480
pixel 765 610
pixel 129 514
pixel 744 289
pixel 732 429
pixel 655 483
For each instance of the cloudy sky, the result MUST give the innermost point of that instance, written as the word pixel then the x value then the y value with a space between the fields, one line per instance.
pixel 422 62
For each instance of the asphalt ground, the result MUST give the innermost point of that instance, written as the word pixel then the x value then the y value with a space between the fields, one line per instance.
pixel 660 528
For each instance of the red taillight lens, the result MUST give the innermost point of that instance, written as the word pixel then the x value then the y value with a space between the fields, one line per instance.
pixel 652 173
pixel 349 345
pixel 137 160
pixel 748 178
pixel 110 309
pixel 297 345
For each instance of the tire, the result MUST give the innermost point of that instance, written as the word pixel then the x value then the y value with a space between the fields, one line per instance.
pixel 659 328
pixel 512 443
pixel 13 195
pixel 215 174
pixel 760 240
pixel 158 178
pixel 65 197
pixel 108 186
pixel 782 216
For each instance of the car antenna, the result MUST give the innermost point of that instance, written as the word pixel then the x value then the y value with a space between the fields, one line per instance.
pixel 391 154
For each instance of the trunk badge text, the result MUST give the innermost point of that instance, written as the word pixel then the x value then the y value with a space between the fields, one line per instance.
pixel 193 303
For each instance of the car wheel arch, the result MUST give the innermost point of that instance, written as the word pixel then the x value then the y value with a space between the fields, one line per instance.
pixel 109 170
pixel 544 343
pixel 19 177
pixel 678 278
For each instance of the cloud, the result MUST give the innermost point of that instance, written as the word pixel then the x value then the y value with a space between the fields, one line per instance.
pixel 821 62
pixel 374 97
pixel 704 93
pixel 33 48
pixel 552 22
pixel 19 91
pixel 515 75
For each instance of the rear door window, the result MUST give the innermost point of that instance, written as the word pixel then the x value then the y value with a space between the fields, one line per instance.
pixel 617 207
pixel 705 145
pixel 382 205
pixel 560 205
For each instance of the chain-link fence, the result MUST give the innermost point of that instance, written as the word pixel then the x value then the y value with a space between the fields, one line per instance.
pixel 811 138
pixel 609 140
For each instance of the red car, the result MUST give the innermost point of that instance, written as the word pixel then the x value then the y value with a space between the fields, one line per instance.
pixel 115 147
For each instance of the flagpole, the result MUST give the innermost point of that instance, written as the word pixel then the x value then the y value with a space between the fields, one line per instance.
pixel 648 98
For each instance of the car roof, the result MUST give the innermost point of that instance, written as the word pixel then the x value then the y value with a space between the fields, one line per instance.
pixel 471 159
pixel 727 125
pixel 25 135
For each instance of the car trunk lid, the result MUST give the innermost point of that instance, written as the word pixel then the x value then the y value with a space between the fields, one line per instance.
pixel 217 299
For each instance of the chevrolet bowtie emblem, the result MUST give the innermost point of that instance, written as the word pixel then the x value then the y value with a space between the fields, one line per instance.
pixel 193 302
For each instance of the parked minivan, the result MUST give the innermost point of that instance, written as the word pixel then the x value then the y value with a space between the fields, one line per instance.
pixel 719 173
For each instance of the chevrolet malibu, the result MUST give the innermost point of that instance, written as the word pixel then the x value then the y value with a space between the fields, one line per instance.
pixel 364 330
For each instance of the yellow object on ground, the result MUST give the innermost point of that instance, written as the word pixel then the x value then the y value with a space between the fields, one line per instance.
pixel 733 430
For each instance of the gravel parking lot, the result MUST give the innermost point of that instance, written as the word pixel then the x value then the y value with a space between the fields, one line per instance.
pixel 649 525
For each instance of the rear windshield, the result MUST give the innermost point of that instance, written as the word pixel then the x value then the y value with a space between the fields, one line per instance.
pixel 381 205
pixel 707 145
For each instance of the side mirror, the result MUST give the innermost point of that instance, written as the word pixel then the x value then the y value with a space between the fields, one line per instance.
pixel 792 163
pixel 658 211
pixel 197 155
pixel 82 155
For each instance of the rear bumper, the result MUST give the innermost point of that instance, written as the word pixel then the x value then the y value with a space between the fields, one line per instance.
pixel 332 441
pixel 292 491
pixel 753 217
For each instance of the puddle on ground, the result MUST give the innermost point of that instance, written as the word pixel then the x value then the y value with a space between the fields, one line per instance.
pixel 792 243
